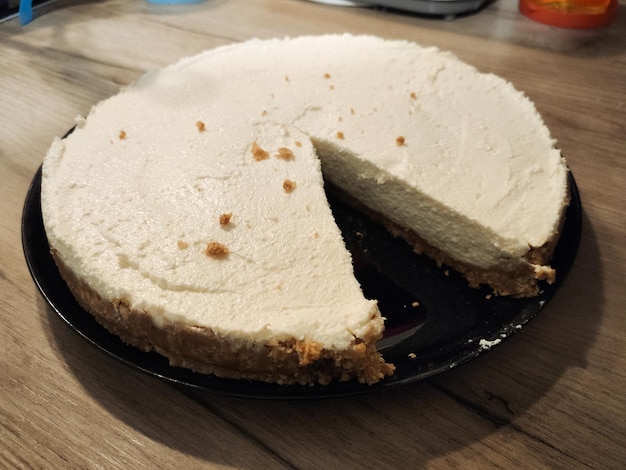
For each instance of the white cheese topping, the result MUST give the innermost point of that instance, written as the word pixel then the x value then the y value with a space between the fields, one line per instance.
pixel 134 196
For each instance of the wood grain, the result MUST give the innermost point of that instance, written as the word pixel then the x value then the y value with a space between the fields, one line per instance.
pixel 552 396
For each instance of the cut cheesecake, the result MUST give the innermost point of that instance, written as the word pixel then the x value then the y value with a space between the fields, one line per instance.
pixel 188 212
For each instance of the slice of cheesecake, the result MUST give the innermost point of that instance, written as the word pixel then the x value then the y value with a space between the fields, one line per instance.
pixel 188 212
pixel 225 258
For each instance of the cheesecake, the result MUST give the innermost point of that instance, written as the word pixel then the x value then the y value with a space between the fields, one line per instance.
pixel 188 213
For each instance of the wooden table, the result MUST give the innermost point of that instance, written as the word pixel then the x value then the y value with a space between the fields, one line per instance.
pixel 552 396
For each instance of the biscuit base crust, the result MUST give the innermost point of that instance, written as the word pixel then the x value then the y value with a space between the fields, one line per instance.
pixel 200 349
pixel 515 277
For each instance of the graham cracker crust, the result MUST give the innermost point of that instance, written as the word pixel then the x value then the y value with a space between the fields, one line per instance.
pixel 200 349
pixel 518 278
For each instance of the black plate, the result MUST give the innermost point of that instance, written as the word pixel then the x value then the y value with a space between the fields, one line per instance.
pixel 435 321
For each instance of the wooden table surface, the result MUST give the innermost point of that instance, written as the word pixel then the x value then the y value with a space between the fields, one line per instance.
pixel 552 396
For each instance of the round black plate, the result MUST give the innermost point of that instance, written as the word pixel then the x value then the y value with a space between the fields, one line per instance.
pixel 435 321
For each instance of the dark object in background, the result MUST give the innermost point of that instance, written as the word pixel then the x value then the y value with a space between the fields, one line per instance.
pixel 10 8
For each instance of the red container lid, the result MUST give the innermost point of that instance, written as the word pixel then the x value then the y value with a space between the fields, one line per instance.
pixel 554 14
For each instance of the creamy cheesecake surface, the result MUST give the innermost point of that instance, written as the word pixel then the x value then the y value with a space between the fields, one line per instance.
pixel 188 212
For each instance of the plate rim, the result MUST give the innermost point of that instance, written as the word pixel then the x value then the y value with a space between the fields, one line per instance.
pixel 242 388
